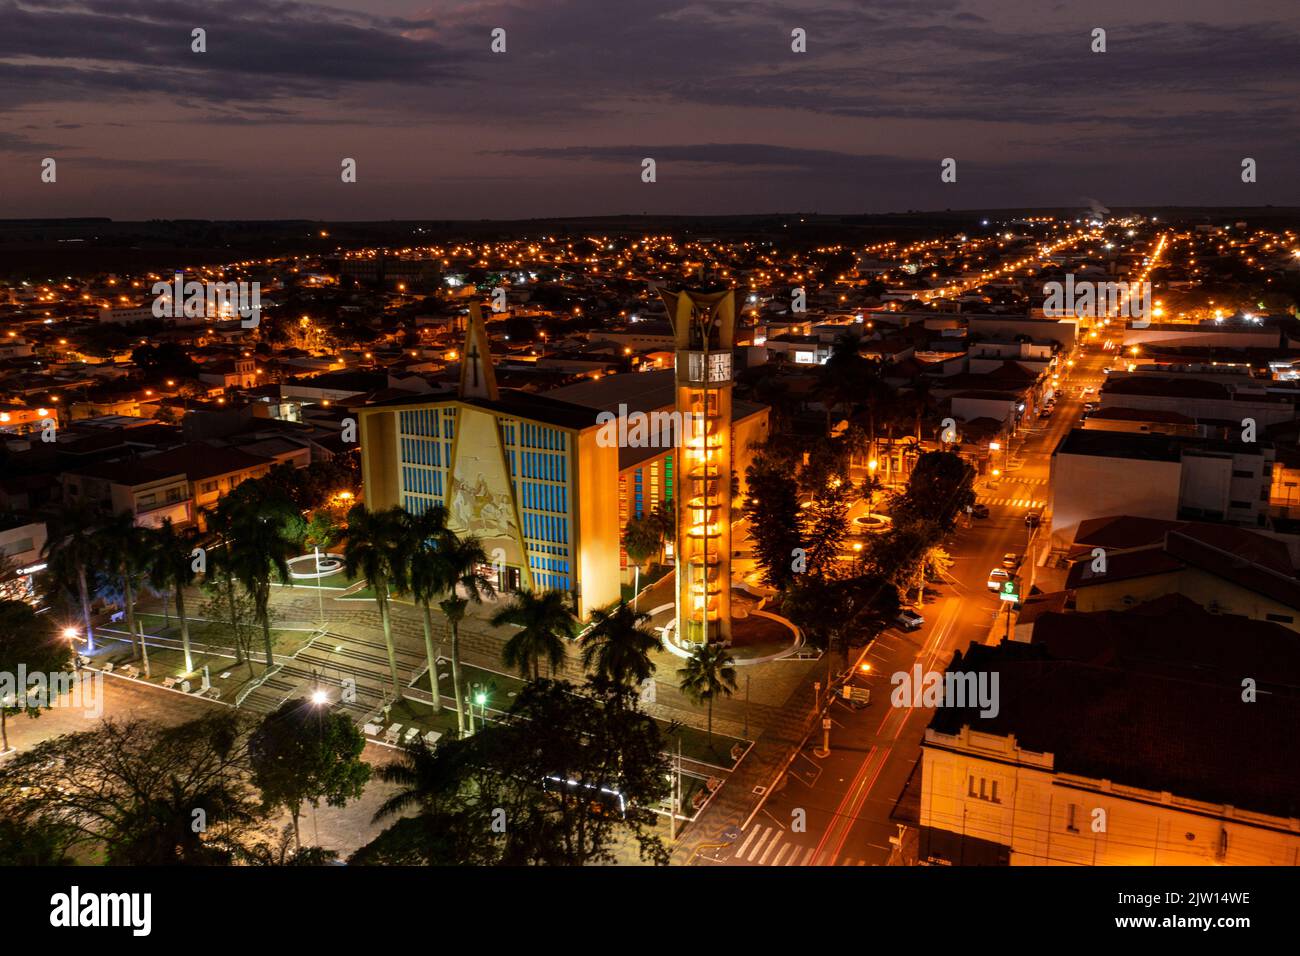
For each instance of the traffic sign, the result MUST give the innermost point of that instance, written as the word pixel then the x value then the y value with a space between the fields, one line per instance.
pixel 1010 592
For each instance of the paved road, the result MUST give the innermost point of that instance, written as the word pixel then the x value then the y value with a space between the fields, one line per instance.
pixel 836 810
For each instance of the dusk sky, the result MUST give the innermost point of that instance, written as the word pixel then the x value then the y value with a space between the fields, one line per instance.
pixel 441 127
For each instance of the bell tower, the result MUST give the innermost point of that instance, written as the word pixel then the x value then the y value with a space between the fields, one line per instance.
pixel 703 331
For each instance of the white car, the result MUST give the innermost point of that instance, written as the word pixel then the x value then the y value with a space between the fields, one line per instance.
pixel 1010 559
pixel 997 578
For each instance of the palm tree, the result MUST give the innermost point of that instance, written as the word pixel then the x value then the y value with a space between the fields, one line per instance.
pixel 708 673
pixel 124 553
pixel 377 550
pixel 427 533
pixel 220 574
pixel 461 559
pixel 546 621
pixel 256 549
pixel 70 550
pixel 618 645
pixel 170 568
pixel 642 539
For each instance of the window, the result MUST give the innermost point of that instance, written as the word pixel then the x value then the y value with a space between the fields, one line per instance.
pixel 1071 823
pixel 1280 618
pixel 982 788
pixel 209 487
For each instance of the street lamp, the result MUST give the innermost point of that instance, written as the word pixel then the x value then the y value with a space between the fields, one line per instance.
pixel 320 698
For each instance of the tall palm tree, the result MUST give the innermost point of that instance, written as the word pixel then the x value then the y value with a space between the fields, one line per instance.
pixel 708 673
pixel 124 554
pixel 546 622
pixel 427 533
pixel 618 644
pixel 461 560
pixel 377 549
pixel 170 568
pixel 221 569
pixel 256 550
pixel 71 550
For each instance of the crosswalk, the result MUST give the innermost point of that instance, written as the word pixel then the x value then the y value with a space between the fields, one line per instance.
pixel 1029 503
pixel 770 846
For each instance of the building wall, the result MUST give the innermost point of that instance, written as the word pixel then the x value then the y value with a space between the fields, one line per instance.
pixel 1084 486
pixel 541 498
pixel 1205 589
pixel 981 793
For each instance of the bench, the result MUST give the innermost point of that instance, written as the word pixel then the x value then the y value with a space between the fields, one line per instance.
pixel 411 734
pixel 432 737
pixel 392 734
pixel 169 682
pixel 372 730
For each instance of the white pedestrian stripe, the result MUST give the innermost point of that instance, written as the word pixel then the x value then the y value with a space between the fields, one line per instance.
pixel 741 852
pixel 767 832
pixel 769 849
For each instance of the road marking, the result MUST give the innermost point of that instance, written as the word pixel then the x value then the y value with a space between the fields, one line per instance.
pixel 767 832
pixel 741 851
pixel 784 846
pixel 762 861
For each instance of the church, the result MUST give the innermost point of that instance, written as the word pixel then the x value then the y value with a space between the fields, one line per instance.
pixel 532 475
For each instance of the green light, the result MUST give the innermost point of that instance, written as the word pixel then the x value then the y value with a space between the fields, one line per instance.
pixel 480 699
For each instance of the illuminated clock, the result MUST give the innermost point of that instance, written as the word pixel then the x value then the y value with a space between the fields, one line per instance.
pixel 720 367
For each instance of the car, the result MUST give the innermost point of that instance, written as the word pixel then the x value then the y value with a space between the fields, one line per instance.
pixel 979 510
pixel 1088 407
pixel 1045 412
pixel 909 619
pixel 1010 559
pixel 997 578
pixel 1105 371
pixel 1033 519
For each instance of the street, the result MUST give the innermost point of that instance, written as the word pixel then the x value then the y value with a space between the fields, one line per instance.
pixel 837 810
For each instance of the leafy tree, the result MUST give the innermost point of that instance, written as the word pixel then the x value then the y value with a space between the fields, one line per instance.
pixel 939 489
pixel 617 647
pixel 709 671
pixel 377 549
pixel 284 851
pixel 307 752
pixel 31 641
pixel 546 623
pixel 33 842
pixel 557 773
pixel 772 508
pixel 825 526
pixel 142 793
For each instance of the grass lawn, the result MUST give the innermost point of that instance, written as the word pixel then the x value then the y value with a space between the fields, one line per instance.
pixel 413 713
pixel 500 697
pixel 165 662
pixel 216 633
